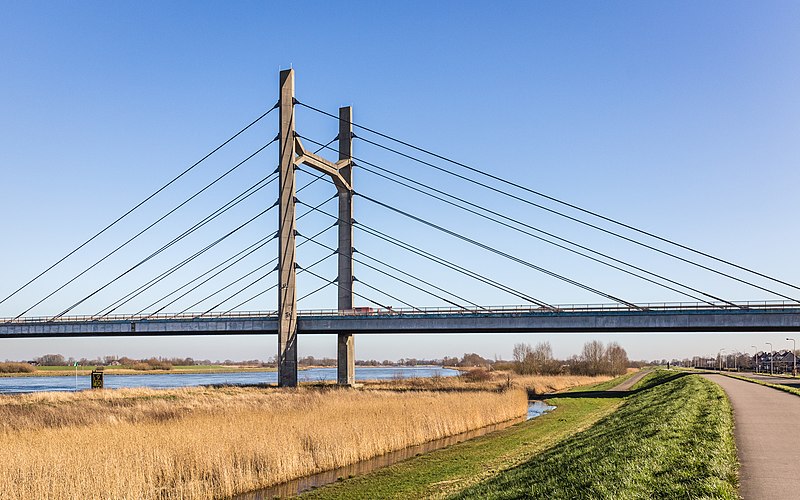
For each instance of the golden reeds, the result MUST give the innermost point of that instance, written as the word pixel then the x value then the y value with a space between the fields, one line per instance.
pixel 201 443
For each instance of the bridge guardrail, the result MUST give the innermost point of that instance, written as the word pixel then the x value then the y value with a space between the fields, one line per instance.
pixel 602 307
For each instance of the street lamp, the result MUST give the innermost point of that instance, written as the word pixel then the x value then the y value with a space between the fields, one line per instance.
pixel 719 355
pixel 755 356
pixel 771 356
pixel 794 356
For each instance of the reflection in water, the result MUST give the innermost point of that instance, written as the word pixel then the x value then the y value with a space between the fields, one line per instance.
pixel 10 385
pixel 297 486
pixel 538 408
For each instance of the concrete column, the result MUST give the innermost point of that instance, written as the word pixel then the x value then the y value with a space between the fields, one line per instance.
pixel 287 292
pixel 346 353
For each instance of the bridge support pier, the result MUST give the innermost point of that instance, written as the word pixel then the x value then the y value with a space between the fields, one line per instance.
pixel 287 292
pixel 292 154
pixel 346 353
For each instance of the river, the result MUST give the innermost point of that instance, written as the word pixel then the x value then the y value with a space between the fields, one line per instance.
pixel 15 385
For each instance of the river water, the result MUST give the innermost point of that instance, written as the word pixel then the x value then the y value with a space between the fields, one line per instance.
pixel 12 385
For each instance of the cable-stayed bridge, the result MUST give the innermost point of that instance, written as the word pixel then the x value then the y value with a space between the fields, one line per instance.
pixel 190 309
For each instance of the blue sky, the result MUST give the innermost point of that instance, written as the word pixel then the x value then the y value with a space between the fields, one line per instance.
pixel 677 117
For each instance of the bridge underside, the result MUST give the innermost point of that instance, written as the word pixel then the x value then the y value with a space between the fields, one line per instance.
pixel 733 320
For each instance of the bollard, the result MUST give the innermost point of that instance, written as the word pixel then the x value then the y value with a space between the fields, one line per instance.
pixel 97 378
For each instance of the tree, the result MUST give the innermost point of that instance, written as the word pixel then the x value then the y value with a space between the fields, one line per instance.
pixel 617 358
pixel 593 358
pixel 473 359
pixel 521 352
pixel 52 360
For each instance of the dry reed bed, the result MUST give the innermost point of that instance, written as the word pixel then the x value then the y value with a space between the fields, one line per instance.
pixel 201 443
pixel 496 380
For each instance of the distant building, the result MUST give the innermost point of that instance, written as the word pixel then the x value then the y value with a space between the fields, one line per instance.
pixel 778 362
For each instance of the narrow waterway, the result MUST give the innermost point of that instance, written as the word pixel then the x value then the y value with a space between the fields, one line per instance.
pixel 297 486
pixel 16 385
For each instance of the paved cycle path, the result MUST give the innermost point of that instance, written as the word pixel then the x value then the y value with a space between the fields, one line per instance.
pixel 767 431
pixel 626 386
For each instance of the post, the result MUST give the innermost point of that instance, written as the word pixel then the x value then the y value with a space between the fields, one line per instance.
pixel 346 362
pixel 771 357
pixel 287 296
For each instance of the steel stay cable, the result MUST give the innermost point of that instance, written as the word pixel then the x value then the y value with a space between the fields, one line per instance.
pixel 558 237
pixel 224 262
pixel 567 204
pixel 593 226
pixel 309 294
pixel 159 190
pixel 389 295
pixel 239 279
pixel 274 236
pixel 230 204
pixel 271 261
pixel 241 256
pixel 401 280
pixel 621 236
pixel 441 261
pixel 499 252
pixel 98 262
pixel 418 279
pixel 163 276
pixel 154 254
pixel 438 260
pixel 543 232
pixel 300 271
pixel 369 299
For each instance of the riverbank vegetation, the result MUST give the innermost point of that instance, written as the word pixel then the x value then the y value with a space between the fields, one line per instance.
pixel 11 367
pixel 448 471
pixel 670 437
pixel 594 359
pixel 204 442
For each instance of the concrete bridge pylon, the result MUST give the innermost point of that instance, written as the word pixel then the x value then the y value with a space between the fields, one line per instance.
pixel 292 153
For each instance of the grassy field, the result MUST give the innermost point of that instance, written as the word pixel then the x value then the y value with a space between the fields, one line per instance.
pixel 203 443
pixel 671 438
pixel 450 470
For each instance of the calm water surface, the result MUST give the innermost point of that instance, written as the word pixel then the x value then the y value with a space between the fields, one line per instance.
pixel 10 385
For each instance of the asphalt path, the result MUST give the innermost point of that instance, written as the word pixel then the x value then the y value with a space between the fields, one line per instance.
pixel 767 431
pixel 788 381
pixel 626 386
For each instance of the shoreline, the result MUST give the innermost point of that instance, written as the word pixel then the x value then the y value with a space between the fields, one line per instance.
pixel 86 370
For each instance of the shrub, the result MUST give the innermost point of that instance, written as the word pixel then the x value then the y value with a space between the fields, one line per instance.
pixel 477 375
pixel 16 368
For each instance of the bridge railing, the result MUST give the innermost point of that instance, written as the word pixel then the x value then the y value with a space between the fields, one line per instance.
pixel 368 311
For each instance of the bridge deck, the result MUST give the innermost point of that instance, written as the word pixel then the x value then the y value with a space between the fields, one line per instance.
pixel 600 318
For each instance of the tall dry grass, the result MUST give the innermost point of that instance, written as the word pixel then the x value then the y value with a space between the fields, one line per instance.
pixel 202 443
pixel 11 367
pixel 493 380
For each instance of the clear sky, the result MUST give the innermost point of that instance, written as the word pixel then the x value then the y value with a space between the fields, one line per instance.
pixel 681 118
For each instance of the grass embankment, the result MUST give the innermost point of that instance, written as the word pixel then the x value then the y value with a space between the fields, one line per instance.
pixel 671 438
pixel 450 470
pixel 201 442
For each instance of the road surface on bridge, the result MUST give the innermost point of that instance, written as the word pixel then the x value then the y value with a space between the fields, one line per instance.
pixel 767 431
